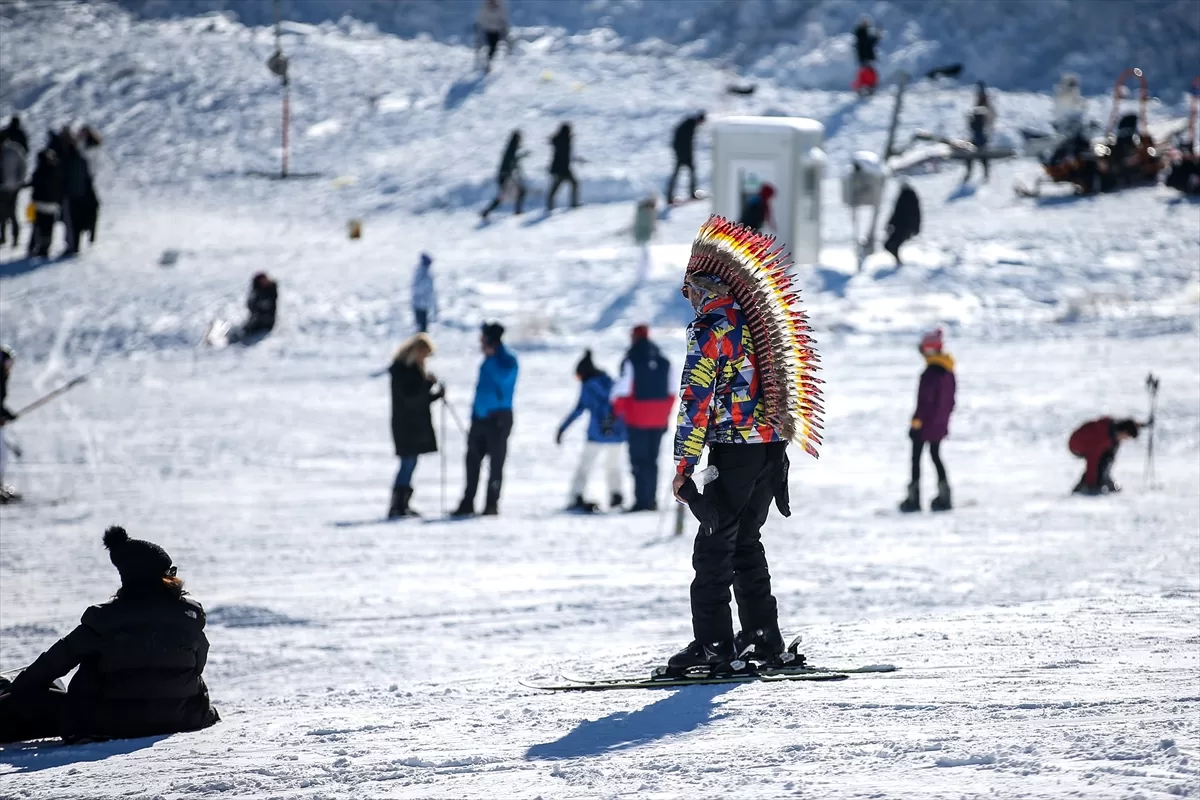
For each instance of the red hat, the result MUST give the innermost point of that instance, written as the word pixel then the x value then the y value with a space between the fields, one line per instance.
pixel 932 341
pixel 641 332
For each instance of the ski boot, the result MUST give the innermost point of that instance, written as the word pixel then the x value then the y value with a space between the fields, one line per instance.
pixel 615 501
pixel 913 501
pixel 764 646
pixel 581 506
pixel 703 660
pixel 396 508
pixel 465 509
pixel 409 511
pixel 491 510
pixel 942 501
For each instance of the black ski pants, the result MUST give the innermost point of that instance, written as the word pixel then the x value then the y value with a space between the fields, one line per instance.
pixel 557 180
pixel 733 555
pixel 488 438
pixel 8 216
pixel 43 234
pixel 505 186
pixel 935 453
pixel 644 444
pixel 682 160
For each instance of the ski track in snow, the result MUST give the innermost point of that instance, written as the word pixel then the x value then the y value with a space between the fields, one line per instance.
pixel 1048 644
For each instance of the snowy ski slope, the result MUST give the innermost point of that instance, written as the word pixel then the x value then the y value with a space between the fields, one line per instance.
pixel 1048 644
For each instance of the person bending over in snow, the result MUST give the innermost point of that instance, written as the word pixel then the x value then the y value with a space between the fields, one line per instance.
pixel 7 493
pixel 905 222
pixel 424 294
pixel 1096 442
pixel 414 391
pixel 509 180
pixel 141 659
pixel 262 302
pixel 931 421
pixel 491 421
pixel 605 435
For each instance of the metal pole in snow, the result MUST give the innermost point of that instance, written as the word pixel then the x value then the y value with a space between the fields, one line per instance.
pixel 868 244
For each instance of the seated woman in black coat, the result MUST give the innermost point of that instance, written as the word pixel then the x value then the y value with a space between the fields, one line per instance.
pixel 140 656
pixel 413 392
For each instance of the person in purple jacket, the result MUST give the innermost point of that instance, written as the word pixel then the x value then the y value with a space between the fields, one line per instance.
pixel 931 420
pixel 605 435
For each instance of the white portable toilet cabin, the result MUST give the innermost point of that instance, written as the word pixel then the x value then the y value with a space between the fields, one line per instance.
pixel 785 152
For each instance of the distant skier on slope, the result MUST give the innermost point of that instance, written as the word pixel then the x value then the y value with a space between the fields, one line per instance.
pixel 492 23
pixel 981 120
pixel 491 421
pixel 14 163
pixel 905 221
pixel 47 199
pixel 414 390
pixel 866 39
pixel 931 421
pixel 1096 442
pixel 7 360
pixel 605 435
pixel 141 659
pixel 509 181
pixel 560 167
pixel 683 145
pixel 642 398
pixel 424 293
pixel 13 132
pixel 746 421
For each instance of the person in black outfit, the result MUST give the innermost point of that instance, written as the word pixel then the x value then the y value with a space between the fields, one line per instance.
pixel 414 390
pixel 509 178
pixel 80 205
pixel 560 167
pixel 905 222
pixel 866 39
pixel 47 201
pixel 13 132
pixel 264 296
pixel 683 145
pixel 141 659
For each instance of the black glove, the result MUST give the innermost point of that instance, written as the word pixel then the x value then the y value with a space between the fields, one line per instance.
pixel 702 508
pixel 914 434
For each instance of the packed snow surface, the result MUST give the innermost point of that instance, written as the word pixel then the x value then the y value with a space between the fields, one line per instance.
pixel 1048 645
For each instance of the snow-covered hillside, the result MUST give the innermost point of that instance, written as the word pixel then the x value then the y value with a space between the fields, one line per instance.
pixel 1047 643
pixel 1014 44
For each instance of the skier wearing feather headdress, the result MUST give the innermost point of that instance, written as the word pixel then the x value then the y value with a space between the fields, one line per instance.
pixel 747 391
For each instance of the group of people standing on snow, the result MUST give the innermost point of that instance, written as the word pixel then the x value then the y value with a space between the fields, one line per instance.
pixel 62 187
pixel 510 180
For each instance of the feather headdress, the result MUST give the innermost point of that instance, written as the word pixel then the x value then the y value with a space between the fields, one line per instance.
pixel 755 269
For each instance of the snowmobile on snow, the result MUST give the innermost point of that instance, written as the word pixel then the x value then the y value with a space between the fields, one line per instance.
pixel 1185 160
pixel 1125 156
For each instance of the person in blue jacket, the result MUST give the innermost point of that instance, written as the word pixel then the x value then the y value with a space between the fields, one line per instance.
pixel 605 435
pixel 491 421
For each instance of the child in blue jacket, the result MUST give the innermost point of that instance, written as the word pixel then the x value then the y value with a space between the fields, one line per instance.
pixel 605 435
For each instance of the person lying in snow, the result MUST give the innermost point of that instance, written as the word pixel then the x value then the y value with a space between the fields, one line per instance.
pixel 141 660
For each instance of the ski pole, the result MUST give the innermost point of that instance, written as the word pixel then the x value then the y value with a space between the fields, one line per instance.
pixel 457 420
pixel 1152 388
pixel 46 398
pixel 442 454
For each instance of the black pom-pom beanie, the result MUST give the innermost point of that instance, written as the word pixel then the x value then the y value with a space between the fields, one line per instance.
pixel 138 561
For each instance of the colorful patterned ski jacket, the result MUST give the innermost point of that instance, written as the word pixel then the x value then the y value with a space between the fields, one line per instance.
pixel 720 400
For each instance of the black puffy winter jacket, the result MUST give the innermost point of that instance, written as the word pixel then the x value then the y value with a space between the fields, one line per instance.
pixel 141 657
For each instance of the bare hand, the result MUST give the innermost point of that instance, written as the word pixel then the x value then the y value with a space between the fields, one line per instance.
pixel 677 485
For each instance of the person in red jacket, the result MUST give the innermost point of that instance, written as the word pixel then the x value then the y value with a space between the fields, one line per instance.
pixel 642 398
pixel 1096 442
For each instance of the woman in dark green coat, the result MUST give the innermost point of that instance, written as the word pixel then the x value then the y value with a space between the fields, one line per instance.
pixel 414 390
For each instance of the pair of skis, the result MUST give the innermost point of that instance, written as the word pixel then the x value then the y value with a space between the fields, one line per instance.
pixel 753 673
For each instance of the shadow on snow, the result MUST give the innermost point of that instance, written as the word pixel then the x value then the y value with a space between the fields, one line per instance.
pixel 35 756
pixel 684 711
